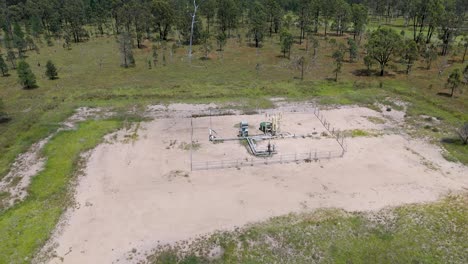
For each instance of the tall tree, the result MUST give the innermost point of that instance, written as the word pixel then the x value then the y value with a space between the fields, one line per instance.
pixel 338 56
pixel 352 49
pixel 51 70
pixel 221 39
pixel 126 53
pixel 208 10
pixel 257 23
pixel 329 8
pixel 3 66
pixel 25 75
pixel 227 15
pixel 164 17
pixel 286 40
pixel 450 23
pixel 382 45
pixel 464 43
pixel 192 25
pixel 304 12
pixel 11 57
pixel 273 12
pixel 18 39
pixel 410 54
pixel 454 81
pixel 342 16
pixel 429 54
pixel 3 115
pixel 74 17
pixel 359 14
pixel 205 42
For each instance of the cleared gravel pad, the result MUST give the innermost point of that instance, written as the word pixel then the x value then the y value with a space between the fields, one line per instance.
pixel 137 190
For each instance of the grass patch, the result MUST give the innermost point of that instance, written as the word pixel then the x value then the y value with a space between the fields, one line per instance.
pixel 428 233
pixel 376 120
pixel 25 227
pixel 359 133
pixel 456 151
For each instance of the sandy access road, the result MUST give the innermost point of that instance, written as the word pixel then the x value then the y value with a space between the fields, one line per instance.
pixel 140 193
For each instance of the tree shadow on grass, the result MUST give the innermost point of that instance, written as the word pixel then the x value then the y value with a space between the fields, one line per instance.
pixel 4 118
pixel 31 87
pixel 365 72
pixel 444 94
pixel 451 140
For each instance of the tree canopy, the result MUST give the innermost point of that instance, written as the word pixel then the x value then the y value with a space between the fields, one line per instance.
pixel 382 45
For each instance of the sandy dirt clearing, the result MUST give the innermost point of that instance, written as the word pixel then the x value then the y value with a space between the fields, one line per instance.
pixel 134 195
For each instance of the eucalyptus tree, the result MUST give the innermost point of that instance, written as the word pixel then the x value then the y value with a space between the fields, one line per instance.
pixel 383 44
pixel 257 23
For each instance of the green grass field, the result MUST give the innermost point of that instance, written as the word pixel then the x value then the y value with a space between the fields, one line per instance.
pixel 25 227
pixel 429 233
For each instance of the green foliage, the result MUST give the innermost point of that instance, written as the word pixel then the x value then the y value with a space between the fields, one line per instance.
pixel 315 45
pixel 338 55
pixel 227 15
pixel 287 40
pixel 429 55
pixel 11 57
pixel 163 10
pixel 257 23
pixel 359 14
pixel 454 80
pixel 3 115
pixel 155 55
pixel 208 9
pixel 221 40
pixel 382 45
pixel 36 26
pixel 3 66
pixel 25 227
pixel 25 75
pixel 410 54
pixel 359 133
pixel 51 71
pixel 353 50
pixel 205 42
pixel 126 53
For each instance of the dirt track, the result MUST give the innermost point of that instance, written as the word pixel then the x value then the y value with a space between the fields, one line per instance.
pixel 139 193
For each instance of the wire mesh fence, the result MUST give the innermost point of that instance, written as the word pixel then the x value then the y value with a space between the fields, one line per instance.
pixel 338 135
pixel 277 159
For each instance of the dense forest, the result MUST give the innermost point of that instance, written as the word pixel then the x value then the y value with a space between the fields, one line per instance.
pixel 428 29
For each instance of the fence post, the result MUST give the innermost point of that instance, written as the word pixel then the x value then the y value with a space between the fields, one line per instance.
pixel 316 156
pixel 329 155
pixel 310 155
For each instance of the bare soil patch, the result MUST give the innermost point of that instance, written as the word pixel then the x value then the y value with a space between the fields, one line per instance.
pixel 136 196
pixel 28 164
